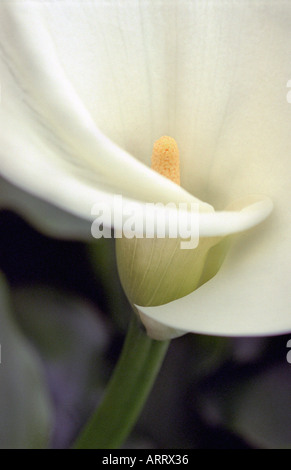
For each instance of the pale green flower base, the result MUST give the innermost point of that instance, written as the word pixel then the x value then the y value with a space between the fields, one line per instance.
pixel 127 391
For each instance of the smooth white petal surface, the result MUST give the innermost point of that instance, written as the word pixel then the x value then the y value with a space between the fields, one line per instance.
pixel 216 83
pixel 88 86
pixel 55 131
pixel 60 154
pixel 249 296
pixel 50 144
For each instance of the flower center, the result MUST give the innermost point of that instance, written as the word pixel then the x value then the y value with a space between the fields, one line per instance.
pixel 165 158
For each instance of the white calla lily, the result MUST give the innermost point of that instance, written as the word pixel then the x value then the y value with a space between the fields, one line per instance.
pixel 87 87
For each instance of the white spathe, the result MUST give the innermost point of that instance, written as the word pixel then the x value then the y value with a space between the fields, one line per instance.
pixel 87 87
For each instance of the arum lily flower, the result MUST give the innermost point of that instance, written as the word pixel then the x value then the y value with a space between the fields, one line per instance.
pixel 87 87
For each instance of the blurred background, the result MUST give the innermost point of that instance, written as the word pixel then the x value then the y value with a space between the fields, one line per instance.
pixel 66 318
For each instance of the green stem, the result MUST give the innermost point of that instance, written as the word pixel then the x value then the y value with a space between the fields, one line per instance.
pixel 127 391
